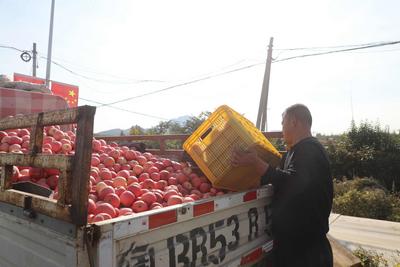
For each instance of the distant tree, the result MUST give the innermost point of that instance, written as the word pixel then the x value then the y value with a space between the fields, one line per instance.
pixel 171 127
pixel 367 150
pixel 136 130
pixel 194 122
pixel 122 133
pixel 166 127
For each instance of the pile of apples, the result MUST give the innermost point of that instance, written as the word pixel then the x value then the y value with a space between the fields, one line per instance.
pixel 122 181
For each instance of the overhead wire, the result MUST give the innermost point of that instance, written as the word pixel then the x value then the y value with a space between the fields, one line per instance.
pixel 377 51
pixel 127 110
pixel 100 80
pixel 12 48
pixel 350 48
pixel 181 84
pixel 92 71
pixel 85 76
pixel 327 47
pixel 337 51
pixel 364 46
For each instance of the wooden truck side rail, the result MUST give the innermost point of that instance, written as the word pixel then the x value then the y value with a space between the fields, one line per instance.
pixel 161 140
pixel 71 205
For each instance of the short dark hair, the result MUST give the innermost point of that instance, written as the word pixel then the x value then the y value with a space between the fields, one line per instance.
pixel 300 112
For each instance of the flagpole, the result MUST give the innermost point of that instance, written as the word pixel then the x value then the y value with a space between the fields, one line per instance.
pixel 48 66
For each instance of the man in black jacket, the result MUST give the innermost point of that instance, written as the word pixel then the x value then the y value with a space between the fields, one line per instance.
pixel 303 193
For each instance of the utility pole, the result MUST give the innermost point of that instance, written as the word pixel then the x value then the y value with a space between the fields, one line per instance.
pixel 34 55
pixel 262 109
pixel 48 66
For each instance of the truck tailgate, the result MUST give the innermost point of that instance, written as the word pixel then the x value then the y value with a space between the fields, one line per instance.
pixel 230 230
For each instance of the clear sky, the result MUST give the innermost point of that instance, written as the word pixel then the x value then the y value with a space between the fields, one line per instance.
pixel 131 48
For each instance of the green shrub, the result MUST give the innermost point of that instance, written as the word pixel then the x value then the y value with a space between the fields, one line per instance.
pixel 374 204
pixel 370 258
pixel 367 150
pixel 359 184
pixel 365 197
pixel 395 216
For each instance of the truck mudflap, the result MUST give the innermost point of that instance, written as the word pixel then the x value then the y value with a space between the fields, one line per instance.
pixel 230 230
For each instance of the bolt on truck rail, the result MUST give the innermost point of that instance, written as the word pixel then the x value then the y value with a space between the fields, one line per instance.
pixel 226 230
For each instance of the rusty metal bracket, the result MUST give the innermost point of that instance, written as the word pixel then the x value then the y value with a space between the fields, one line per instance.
pixel 28 211
pixel 37 130
pixel 91 236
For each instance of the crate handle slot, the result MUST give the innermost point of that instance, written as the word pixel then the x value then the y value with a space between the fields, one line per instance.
pixel 206 133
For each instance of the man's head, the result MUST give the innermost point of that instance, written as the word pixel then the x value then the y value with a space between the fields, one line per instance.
pixel 296 123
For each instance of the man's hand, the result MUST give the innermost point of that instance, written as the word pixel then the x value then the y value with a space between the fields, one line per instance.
pixel 249 158
pixel 244 158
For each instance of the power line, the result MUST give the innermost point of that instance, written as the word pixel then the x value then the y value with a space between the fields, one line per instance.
pixel 365 46
pixel 130 111
pixel 12 48
pixel 353 47
pixel 99 80
pixel 376 51
pixel 326 47
pixel 81 75
pixel 89 70
pixel 181 84
pixel 338 51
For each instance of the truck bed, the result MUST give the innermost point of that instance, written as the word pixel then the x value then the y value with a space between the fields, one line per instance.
pixel 230 230
pixel 35 231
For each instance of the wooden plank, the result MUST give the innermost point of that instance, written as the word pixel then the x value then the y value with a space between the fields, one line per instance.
pixel 40 204
pixel 64 116
pixel 167 137
pixel 81 170
pixel 64 188
pixel 273 134
pixel 342 257
pixel 163 151
pixel 6 176
pixel 62 162
pixel 36 139
pixel 144 137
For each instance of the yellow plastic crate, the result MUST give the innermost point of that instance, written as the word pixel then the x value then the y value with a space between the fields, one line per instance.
pixel 212 143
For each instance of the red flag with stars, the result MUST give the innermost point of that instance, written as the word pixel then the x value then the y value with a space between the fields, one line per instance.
pixel 67 91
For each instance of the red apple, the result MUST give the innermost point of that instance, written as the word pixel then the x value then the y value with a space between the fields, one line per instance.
pixel 161 184
pixel 113 199
pixel 127 198
pixel 164 175
pixel 139 206
pixel 123 173
pixel 143 176
pixel 149 198
pixel 172 181
pixel 105 208
pixel 125 211
pixel 91 206
pixel 174 200
pixel 135 189
pixel 138 169
pixel 130 155
pixel 105 191
pixel 205 187
pixel 148 184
